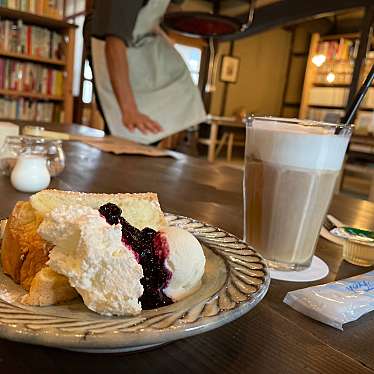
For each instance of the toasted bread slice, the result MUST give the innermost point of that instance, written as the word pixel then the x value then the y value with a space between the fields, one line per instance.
pixel 24 253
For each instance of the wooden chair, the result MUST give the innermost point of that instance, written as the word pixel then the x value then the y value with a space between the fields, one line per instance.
pixel 215 145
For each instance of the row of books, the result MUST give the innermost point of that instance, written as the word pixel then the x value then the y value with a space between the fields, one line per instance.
pixel 337 96
pixel 30 110
pixel 17 37
pixel 367 66
pixel 344 49
pixel 329 96
pixel 320 114
pixel 345 67
pixel 30 77
pixel 339 78
pixel 364 122
pixel 47 8
pixel 368 101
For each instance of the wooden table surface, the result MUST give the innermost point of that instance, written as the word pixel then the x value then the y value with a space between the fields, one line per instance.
pixel 272 338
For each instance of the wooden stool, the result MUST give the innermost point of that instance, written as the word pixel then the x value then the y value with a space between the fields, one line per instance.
pixel 227 137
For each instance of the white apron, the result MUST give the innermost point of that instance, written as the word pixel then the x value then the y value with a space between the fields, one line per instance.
pixel 159 78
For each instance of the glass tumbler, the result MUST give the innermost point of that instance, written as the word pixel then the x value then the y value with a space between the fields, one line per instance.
pixel 291 168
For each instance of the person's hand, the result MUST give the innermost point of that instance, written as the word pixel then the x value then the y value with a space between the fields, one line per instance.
pixel 133 119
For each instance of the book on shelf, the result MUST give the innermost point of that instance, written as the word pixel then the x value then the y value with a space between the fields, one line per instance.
pixel 35 41
pixel 46 8
pixel 367 65
pixel 321 114
pixel 28 77
pixel 342 50
pixel 30 110
pixel 364 122
pixel 342 71
pixel 328 96
pixel 368 101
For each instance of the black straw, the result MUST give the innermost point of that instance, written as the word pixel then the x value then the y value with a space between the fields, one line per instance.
pixel 358 98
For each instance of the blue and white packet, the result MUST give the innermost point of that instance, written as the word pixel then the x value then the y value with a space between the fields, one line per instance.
pixel 335 303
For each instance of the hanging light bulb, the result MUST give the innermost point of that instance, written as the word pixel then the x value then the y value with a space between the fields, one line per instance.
pixel 318 60
pixel 330 77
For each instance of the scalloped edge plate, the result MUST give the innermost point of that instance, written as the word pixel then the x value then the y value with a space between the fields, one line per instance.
pixel 236 279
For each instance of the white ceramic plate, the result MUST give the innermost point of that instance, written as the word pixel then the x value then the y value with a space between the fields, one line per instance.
pixel 235 280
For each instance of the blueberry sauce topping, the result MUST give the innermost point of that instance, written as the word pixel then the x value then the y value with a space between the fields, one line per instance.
pixel 151 250
pixel 111 212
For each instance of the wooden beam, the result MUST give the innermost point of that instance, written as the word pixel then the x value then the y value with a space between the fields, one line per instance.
pixel 287 12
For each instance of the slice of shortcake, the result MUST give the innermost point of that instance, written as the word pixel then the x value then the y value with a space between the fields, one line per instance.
pixel 24 252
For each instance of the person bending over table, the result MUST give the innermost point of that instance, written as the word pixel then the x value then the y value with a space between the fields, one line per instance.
pixel 143 85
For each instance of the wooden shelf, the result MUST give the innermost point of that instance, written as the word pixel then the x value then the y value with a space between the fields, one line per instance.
pixel 353 35
pixel 362 148
pixel 337 61
pixel 30 122
pixel 313 73
pixel 35 19
pixel 67 31
pixel 327 106
pixel 42 60
pixel 331 85
pixel 292 105
pixel 30 95
pixel 24 122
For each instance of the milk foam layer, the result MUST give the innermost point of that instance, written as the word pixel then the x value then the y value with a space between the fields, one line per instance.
pixel 309 147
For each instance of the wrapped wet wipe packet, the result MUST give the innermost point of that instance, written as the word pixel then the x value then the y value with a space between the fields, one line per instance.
pixel 335 303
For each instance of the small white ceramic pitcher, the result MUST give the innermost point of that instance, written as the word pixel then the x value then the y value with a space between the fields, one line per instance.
pixel 30 173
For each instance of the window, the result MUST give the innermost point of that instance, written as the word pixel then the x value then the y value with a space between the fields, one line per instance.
pixel 192 58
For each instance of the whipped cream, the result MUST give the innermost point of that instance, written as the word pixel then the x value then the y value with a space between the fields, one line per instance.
pixel 186 262
pixel 91 254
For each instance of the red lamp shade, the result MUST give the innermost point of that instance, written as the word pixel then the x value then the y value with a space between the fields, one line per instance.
pixel 202 25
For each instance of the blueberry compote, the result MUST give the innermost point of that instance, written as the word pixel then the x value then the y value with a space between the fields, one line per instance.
pixel 151 249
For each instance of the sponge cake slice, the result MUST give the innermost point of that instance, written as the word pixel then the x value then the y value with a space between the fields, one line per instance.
pixel 24 253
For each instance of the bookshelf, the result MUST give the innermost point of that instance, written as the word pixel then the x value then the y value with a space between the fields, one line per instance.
pixel 328 77
pixel 31 95
pixel 36 65
pixel 37 12
pixel 42 60
pixel 325 99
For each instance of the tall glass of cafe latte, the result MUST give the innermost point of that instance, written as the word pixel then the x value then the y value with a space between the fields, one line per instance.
pixel 291 169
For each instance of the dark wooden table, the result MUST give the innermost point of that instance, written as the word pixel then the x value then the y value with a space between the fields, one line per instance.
pixel 273 338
